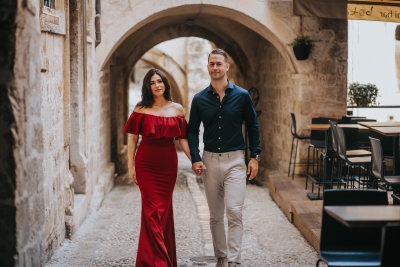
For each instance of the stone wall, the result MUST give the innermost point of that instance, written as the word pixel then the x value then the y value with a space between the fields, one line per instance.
pixel 56 154
pixel 37 112
pixel 28 138
pixel 8 238
pixel 320 92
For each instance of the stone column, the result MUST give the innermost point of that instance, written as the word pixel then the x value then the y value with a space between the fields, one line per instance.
pixel 119 115
pixel 78 157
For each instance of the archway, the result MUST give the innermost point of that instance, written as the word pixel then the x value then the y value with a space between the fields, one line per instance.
pixel 255 41
pixel 242 43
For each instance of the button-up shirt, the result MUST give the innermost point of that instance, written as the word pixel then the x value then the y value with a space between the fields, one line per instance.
pixel 223 122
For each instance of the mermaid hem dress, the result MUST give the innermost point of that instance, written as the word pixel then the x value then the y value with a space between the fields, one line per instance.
pixel 156 165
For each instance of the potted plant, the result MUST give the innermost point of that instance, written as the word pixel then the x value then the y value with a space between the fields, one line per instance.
pixel 363 95
pixel 302 47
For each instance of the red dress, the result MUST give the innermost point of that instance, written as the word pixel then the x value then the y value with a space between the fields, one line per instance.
pixel 156 165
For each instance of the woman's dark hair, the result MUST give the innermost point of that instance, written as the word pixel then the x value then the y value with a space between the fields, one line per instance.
pixel 147 95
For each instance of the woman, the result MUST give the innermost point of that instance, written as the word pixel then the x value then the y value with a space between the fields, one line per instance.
pixel 155 167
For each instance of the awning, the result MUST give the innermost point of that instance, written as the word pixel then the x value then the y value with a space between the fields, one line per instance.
pixel 384 10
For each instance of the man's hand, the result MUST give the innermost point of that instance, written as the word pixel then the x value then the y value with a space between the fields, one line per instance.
pixel 198 168
pixel 132 176
pixel 252 168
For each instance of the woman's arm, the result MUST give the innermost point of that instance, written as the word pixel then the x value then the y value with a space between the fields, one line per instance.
pixel 132 145
pixel 185 147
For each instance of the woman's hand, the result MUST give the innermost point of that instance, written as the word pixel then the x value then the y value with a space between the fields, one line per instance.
pixel 132 176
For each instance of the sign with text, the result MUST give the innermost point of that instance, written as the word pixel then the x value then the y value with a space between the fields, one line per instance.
pixel 378 10
pixel 373 12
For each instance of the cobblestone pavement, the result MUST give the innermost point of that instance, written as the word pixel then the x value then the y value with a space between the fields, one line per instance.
pixel 108 237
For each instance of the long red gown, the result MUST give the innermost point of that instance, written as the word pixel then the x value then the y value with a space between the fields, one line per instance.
pixel 156 165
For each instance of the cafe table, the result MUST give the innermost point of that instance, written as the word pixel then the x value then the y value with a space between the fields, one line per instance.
pixel 394 132
pixel 328 162
pixel 380 123
pixel 385 217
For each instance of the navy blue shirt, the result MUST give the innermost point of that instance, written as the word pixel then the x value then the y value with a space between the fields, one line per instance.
pixel 222 122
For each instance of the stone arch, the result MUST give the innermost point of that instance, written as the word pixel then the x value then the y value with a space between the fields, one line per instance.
pixel 256 16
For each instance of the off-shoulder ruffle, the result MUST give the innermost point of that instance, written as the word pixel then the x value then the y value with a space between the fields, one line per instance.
pixel 159 127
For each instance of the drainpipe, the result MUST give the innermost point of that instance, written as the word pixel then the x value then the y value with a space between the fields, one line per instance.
pixel 97 23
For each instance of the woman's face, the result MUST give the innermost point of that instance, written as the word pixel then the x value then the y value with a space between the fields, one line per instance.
pixel 157 85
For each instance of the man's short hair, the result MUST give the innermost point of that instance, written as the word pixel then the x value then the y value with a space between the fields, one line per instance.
pixel 219 51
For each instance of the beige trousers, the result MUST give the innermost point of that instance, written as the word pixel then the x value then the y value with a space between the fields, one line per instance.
pixel 225 187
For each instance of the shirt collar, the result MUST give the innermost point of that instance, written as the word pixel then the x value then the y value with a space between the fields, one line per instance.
pixel 229 87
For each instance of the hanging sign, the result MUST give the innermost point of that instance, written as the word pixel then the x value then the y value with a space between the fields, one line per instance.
pixel 373 12
pixel 378 10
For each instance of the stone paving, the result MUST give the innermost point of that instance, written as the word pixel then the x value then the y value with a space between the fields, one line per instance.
pixel 108 236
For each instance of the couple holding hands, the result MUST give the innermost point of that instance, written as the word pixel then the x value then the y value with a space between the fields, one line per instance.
pixel 153 165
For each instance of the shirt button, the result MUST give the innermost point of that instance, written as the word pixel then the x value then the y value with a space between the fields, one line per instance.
pixel 219 148
pixel 220 117
pixel 219 137
pixel 219 106
pixel 219 127
pixel 217 96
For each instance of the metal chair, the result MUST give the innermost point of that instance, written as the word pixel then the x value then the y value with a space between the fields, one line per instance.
pixel 351 135
pixel 297 137
pixel 350 162
pixel 344 246
pixel 388 183
pixel 363 141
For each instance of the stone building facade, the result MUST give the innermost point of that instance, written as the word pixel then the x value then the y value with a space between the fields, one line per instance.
pixel 64 101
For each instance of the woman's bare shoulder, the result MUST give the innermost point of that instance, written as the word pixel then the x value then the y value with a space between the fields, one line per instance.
pixel 179 109
pixel 139 109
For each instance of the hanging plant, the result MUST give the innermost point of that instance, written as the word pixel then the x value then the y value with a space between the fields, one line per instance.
pixel 302 46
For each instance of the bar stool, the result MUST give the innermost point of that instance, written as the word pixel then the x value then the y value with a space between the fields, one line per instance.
pixel 297 137
pixel 317 143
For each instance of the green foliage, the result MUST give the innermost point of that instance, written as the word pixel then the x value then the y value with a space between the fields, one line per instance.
pixel 301 40
pixel 363 94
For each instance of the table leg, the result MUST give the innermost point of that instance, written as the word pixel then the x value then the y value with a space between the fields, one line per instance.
pixel 390 246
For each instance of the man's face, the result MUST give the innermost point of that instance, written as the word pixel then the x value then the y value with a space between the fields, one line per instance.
pixel 217 67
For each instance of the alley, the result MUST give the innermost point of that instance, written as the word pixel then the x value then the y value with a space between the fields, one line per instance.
pixel 108 236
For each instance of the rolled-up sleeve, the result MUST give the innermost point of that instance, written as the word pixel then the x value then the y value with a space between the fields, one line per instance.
pixel 193 131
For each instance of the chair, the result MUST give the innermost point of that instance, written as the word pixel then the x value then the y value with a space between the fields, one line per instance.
pixel 317 142
pixel 297 137
pixel 364 135
pixel 389 183
pixel 344 246
pixel 351 135
pixel 350 162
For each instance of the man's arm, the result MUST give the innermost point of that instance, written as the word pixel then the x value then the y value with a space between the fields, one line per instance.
pixel 253 130
pixel 193 131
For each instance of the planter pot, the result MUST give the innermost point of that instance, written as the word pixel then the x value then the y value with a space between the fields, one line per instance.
pixel 363 104
pixel 301 52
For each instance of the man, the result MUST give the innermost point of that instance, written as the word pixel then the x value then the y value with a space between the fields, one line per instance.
pixel 222 107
